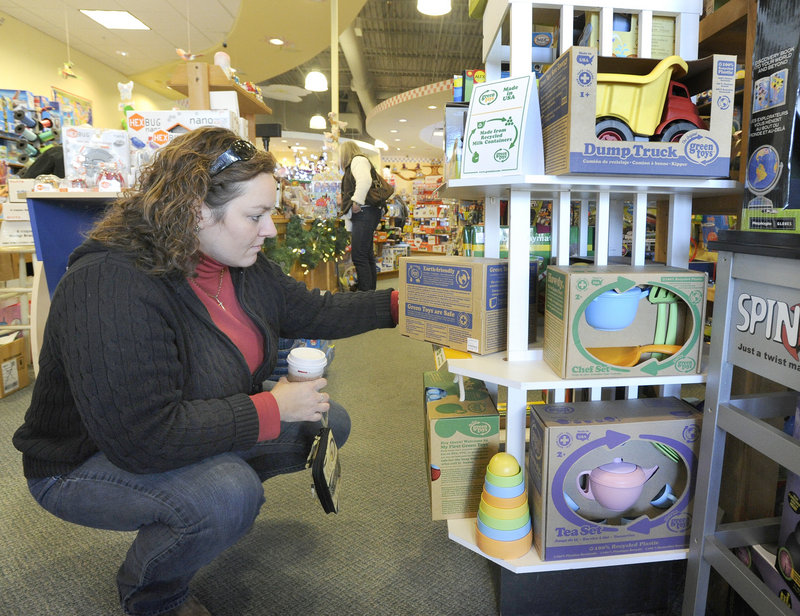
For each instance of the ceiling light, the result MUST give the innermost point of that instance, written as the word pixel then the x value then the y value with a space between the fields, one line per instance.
pixel 431 106
pixel 317 122
pixel 316 82
pixel 434 7
pixel 115 20
pixel 402 120
pixel 277 41
pixel 394 130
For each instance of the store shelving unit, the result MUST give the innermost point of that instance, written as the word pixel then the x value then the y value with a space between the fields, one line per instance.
pixel 198 79
pixel 520 368
pixel 749 264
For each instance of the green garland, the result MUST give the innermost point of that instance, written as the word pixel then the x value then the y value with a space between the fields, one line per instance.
pixel 326 240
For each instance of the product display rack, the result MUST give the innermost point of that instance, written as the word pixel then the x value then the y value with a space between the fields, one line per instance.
pixel 520 368
pixel 747 260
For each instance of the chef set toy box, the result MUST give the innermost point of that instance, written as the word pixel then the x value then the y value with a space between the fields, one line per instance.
pixel 461 436
pixel 772 183
pixel 612 477
pixel 614 115
pixel 614 321
pixel 458 302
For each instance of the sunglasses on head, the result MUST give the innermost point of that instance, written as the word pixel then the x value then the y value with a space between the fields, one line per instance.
pixel 239 150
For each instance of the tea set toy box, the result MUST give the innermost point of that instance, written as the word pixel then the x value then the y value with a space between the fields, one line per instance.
pixel 460 439
pixel 628 116
pixel 615 321
pixel 458 302
pixel 772 182
pixel 614 477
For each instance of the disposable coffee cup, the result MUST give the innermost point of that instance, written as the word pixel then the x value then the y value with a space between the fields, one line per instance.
pixel 306 364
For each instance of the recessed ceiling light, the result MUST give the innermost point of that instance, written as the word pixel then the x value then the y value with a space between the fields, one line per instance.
pixel 431 106
pixel 277 41
pixel 115 20
pixel 122 53
pixel 394 130
pixel 398 139
pixel 402 120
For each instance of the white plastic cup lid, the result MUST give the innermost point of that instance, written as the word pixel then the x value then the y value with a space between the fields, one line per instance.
pixel 307 359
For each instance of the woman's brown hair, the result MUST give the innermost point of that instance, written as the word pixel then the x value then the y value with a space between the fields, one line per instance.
pixel 156 220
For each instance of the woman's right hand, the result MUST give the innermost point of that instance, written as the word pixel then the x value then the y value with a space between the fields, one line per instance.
pixel 301 401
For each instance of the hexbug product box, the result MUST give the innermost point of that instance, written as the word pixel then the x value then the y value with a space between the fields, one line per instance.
pixel 632 116
pixel 458 302
pixel 460 439
pixel 772 183
pixel 612 477
pixel 602 321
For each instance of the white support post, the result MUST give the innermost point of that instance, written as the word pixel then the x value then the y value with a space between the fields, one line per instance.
pixel 515 419
pixel 606 37
pixel 639 239
pixel 491 227
pixel 559 235
pixel 583 228
pixel 565 24
pixel 616 216
pixel 601 228
pixel 680 225
pixel 519 216
pixel 645 41
pixel 521 20
pixel 494 59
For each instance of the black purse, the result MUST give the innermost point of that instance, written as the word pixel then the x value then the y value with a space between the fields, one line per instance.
pixel 379 191
pixel 325 468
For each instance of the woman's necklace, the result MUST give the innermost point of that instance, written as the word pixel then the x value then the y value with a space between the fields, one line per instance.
pixel 219 289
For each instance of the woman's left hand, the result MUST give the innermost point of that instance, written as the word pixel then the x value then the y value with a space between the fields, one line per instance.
pixel 301 401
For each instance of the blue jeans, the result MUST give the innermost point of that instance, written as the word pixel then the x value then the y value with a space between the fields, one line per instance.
pixel 184 517
pixel 361 246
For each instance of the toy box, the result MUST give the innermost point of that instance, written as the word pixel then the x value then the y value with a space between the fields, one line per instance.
pixel 787 561
pixel 612 477
pixel 13 365
pixel 11 100
pixel 150 130
pixel 772 183
pixel 460 438
pixel 625 39
pixel 604 321
pixel 759 559
pixel 96 158
pixel 599 115
pixel 458 302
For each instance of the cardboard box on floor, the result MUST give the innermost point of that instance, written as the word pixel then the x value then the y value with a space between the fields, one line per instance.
pixel 13 365
pixel 787 561
pixel 568 439
pixel 568 101
pixel 459 302
pixel 460 439
pixel 569 340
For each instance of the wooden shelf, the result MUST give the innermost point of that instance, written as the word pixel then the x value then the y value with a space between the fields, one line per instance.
pixel 725 29
pixel 201 74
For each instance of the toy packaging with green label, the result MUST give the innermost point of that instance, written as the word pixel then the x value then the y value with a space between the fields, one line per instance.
pixel 615 321
pixel 460 439
pixel 613 477
pixel 772 185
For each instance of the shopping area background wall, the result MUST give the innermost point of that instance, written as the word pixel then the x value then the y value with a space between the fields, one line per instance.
pixel 32 61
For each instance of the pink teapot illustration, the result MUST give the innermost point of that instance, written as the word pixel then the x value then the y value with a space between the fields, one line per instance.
pixel 616 485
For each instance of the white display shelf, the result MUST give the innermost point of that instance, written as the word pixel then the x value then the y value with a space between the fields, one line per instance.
pixel 582 186
pixel 464 533
pixel 534 374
